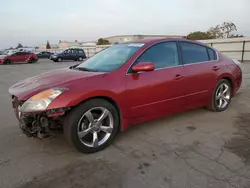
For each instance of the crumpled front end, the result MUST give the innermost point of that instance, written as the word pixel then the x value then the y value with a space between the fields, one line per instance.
pixel 38 124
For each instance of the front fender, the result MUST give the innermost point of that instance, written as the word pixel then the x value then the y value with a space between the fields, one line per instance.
pixel 70 99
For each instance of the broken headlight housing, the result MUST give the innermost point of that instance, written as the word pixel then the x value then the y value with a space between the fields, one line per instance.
pixel 41 101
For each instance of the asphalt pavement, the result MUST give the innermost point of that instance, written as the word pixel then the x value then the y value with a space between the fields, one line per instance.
pixel 198 148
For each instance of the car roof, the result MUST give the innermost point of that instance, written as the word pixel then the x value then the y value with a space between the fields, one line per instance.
pixel 151 41
pixel 74 49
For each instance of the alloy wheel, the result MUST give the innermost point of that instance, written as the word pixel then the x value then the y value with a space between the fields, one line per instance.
pixel 222 96
pixel 95 127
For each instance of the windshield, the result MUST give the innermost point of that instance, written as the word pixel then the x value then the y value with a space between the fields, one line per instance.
pixel 111 58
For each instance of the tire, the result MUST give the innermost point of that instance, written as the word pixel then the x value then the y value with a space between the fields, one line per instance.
pixel 7 62
pixel 220 95
pixel 80 58
pixel 31 60
pixel 78 120
pixel 59 59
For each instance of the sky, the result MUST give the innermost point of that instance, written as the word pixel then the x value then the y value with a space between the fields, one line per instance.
pixel 33 22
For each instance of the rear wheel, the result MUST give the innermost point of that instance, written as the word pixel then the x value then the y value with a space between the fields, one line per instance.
pixel 92 126
pixel 80 58
pixel 222 96
pixel 7 61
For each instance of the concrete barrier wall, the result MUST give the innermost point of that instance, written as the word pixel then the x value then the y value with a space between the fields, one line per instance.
pixel 237 48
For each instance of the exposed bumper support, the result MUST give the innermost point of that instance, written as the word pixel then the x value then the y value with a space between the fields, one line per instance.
pixel 39 125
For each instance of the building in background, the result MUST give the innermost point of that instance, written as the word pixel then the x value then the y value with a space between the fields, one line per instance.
pixel 43 46
pixel 84 44
pixel 128 38
pixel 66 44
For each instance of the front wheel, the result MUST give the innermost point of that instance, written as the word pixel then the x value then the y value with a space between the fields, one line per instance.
pixel 80 58
pixel 222 96
pixel 92 126
pixel 7 62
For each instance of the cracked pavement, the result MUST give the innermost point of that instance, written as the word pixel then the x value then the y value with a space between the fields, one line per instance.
pixel 193 149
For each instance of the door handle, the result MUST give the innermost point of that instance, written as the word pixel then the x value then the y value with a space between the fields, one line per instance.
pixel 215 68
pixel 178 77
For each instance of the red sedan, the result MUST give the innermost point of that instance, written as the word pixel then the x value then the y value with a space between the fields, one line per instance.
pixel 123 85
pixel 18 57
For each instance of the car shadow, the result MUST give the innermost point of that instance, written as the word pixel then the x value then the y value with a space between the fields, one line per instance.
pixel 57 143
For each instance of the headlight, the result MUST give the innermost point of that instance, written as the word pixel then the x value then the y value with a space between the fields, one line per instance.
pixel 41 101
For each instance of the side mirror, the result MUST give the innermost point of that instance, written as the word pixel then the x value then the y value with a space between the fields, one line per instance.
pixel 143 67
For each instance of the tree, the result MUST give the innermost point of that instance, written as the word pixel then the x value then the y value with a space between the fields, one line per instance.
pixel 139 36
pixel 228 28
pixel 19 45
pixel 199 35
pixel 215 32
pixel 48 45
pixel 102 41
pixel 225 30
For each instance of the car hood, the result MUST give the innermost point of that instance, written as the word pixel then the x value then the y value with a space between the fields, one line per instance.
pixel 58 78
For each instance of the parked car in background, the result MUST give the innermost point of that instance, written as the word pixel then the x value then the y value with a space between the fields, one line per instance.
pixel 124 85
pixel 75 54
pixel 10 52
pixel 44 54
pixel 18 57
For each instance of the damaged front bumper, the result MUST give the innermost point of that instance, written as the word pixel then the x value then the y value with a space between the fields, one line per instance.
pixel 39 124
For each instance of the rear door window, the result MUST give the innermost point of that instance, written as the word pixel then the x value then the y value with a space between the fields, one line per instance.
pixel 193 53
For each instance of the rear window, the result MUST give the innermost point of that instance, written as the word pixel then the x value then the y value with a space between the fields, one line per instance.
pixel 81 51
pixel 19 53
pixel 212 54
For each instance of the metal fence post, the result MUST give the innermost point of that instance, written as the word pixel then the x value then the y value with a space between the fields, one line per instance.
pixel 88 51
pixel 243 51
